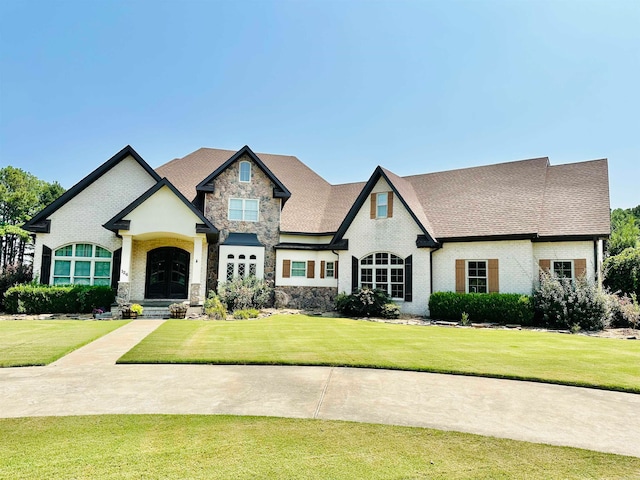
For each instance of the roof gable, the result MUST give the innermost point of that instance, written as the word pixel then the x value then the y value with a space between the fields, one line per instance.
pixel 118 222
pixel 279 191
pixel 39 222
pixel 404 193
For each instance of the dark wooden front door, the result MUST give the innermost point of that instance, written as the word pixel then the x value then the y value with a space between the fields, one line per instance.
pixel 167 273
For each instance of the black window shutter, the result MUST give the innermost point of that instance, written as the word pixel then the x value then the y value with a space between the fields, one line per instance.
pixel 354 274
pixel 115 268
pixel 45 268
pixel 408 279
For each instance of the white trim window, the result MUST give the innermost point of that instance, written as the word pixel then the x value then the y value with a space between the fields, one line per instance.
pixel 330 270
pixel 477 276
pixel 384 271
pixel 563 269
pixel 81 264
pixel 245 172
pixel 244 209
pixel 298 269
pixel 382 205
pixel 242 266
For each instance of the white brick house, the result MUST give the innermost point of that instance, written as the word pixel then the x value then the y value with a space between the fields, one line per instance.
pixel 177 231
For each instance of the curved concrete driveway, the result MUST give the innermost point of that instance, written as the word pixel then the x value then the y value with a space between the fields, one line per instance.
pixel 87 382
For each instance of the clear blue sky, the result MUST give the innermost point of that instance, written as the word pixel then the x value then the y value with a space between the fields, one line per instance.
pixel 414 86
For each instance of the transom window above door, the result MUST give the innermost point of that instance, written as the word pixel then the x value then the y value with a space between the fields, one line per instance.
pixel 82 264
pixel 243 209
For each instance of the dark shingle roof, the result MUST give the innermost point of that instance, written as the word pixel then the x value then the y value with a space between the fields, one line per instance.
pixel 527 197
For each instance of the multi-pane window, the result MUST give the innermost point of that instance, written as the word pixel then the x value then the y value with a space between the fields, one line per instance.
pixel 329 271
pixel 82 264
pixel 241 267
pixel 245 172
pixel 298 269
pixel 382 205
pixel 384 271
pixel 477 276
pixel 243 209
pixel 563 269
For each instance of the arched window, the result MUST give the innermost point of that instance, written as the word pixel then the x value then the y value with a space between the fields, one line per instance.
pixel 384 271
pixel 82 264
pixel 245 172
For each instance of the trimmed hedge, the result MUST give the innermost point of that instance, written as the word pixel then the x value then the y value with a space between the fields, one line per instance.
pixel 502 308
pixel 35 299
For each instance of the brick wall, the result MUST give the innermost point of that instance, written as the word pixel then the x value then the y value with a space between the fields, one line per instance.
pixel 395 235
pixel 81 219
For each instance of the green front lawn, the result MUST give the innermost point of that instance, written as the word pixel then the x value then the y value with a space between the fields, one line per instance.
pixel 302 340
pixel 224 447
pixel 40 342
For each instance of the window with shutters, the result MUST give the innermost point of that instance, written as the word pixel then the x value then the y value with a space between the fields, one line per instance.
pixel 384 271
pixel 298 269
pixel 563 269
pixel 329 270
pixel 477 278
pixel 82 264
pixel 382 205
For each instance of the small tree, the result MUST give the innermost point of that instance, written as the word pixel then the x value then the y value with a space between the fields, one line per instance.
pixel 622 272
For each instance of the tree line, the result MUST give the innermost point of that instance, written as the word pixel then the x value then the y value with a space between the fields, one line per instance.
pixel 22 195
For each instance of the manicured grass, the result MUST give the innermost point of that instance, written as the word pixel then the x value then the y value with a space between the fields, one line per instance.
pixel 301 340
pixel 223 447
pixel 40 342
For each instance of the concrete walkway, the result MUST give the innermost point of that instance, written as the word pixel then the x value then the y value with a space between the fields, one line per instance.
pixel 87 381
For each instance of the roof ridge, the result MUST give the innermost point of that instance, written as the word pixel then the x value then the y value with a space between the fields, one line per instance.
pixel 477 167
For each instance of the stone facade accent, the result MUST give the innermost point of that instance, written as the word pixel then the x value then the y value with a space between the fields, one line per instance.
pixel 306 298
pixel 194 294
pixel 124 293
pixel 226 186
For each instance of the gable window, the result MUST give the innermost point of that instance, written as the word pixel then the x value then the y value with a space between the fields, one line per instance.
pixel 477 279
pixel 382 205
pixel 245 172
pixel 384 271
pixel 563 269
pixel 243 209
pixel 82 264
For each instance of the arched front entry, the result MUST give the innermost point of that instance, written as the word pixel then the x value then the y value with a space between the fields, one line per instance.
pixel 167 273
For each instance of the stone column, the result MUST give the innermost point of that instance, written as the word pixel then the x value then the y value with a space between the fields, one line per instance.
pixel 196 275
pixel 124 286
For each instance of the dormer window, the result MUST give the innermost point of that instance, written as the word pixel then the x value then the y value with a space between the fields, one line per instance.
pixel 245 172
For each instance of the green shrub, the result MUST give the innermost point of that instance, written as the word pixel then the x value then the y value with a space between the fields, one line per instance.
pixel 622 272
pixel 367 303
pixel 246 314
pixel 562 303
pixel 500 308
pixel 35 299
pixel 243 293
pixel 12 275
pixel 214 308
pixel 390 310
pixel 94 297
